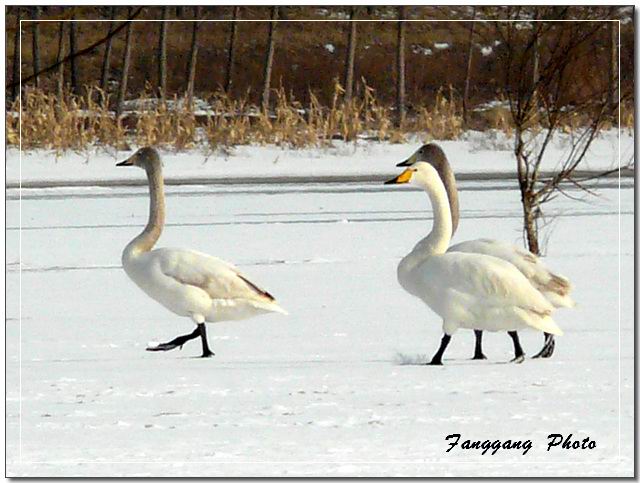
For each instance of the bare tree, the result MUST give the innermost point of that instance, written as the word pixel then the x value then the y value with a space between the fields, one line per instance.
pixel 268 63
pixel 122 91
pixel 467 77
pixel 162 54
pixel 543 104
pixel 60 76
pixel 400 66
pixel 232 47
pixel 193 56
pixel 15 76
pixel 106 60
pixel 73 47
pixel 35 47
pixel 613 69
pixel 351 56
pixel 84 51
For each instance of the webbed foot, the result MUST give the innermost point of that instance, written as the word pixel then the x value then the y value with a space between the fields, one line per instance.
pixel 547 349
pixel 167 346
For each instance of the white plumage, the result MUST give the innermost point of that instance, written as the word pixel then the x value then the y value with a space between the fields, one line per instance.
pixel 188 283
pixel 555 288
pixel 196 285
pixel 468 290
pixel 473 291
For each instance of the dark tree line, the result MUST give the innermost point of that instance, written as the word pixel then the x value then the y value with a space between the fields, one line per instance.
pixel 71 54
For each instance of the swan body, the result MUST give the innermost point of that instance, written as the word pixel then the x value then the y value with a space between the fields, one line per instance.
pixel 468 290
pixel 473 291
pixel 554 287
pixel 188 283
pixel 196 285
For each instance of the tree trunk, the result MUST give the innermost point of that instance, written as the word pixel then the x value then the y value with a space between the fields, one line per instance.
pixel 73 47
pixel 535 74
pixel 34 43
pixel 531 221
pixel 60 77
pixel 162 54
pixel 527 196
pixel 613 71
pixel 106 60
pixel 15 76
pixel 193 58
pixel 232 46
pixel 400 78
pixel 351 57
pixel 268 63
pixel 125 69
pixel 467 77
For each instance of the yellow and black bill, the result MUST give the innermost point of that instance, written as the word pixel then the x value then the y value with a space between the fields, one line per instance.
pixel 402 178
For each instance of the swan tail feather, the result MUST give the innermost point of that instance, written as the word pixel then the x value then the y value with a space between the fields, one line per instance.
pixel 540 320
pixel 559 301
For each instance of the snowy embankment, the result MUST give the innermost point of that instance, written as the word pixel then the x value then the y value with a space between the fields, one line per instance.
pixel 476 153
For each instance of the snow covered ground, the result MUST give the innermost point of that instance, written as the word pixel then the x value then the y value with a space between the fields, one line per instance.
pixel 476 153
pixel 330 389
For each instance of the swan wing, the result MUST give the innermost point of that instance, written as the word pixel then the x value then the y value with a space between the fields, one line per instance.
pixel 488 280
pixel 219 279
pixel 554 287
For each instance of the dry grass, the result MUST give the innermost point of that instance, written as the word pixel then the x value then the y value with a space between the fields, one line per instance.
pixel 442 121
pixel 70 123
pixel 627 115
pixel 220 122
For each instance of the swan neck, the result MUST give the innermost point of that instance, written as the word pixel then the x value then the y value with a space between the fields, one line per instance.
pixel 437 241
pixel 151 233
pixel 449 181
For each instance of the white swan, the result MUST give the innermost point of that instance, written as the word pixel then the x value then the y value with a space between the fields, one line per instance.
pixel 188 283
pixel 467 290
pixel 554 287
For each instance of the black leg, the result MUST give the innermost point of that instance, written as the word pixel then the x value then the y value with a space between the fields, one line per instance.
pixel 517 348
pixel 177 342
pixel 547 348
pixel 206 352
pixel 437 359
pixel 478 355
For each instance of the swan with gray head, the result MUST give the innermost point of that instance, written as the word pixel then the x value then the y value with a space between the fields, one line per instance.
pixel 554 287
pixel 188 283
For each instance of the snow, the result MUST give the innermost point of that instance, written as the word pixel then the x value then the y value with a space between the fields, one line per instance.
pixel 332 389
pixel 476 153
pixel 419 49
pixel 440 45
pixel 330 48
pixel 487 50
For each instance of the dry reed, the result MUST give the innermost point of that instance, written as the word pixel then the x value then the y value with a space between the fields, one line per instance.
pixel 220 122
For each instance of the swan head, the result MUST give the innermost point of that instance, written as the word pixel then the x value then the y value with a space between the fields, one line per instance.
pixel 429 153
pixel 434 155
pixel 145 158
pixel 420 173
